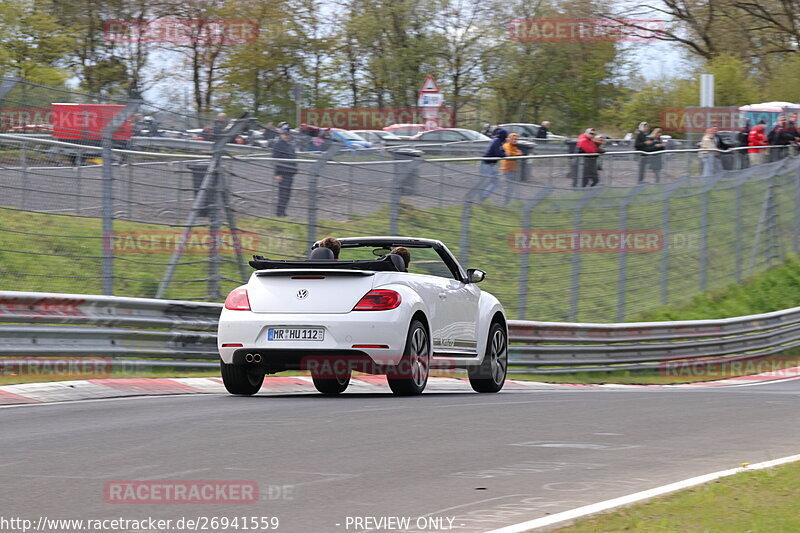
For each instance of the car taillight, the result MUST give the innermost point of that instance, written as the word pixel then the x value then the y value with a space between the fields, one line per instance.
pixel 378 300
pixel 237 300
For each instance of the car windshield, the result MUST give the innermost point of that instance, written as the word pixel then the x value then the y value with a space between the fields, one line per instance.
pixel 423 260
pixel 407 130
pixel 474 135
pixel 350 136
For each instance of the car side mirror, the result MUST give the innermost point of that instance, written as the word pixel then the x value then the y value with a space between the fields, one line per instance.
pixel 475 276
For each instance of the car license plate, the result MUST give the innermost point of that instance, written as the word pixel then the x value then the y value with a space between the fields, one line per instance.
pixel 295 334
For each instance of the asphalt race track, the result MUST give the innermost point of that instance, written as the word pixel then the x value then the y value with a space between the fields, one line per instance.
pixel 482 461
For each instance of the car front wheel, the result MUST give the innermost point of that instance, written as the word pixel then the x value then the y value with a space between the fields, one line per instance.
pixel 239 379
pixel 410 377
pixel 490 376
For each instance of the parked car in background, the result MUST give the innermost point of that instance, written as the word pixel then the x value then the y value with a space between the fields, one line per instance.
pixel 351 140
pixel 529 131
pixel 404 131
pixel 377 137
pixel 447 135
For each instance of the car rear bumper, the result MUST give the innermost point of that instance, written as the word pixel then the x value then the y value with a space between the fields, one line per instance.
pixel 374 336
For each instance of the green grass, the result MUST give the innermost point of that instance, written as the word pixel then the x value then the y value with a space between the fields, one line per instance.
pixel 761 501
pixel 11 379
pixel 672 375
pixel 774 289
pixel 549 284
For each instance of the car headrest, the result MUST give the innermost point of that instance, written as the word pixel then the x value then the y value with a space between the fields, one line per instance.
pixel 398 262
pixel 321 253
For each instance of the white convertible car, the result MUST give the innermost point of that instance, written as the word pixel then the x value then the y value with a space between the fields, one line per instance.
pixel 363 312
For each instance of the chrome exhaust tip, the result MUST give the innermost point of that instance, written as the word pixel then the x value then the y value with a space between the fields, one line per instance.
pixel 249 358
pixel 256 357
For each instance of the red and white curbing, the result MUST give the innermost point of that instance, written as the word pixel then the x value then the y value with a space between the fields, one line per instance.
pixel 62 391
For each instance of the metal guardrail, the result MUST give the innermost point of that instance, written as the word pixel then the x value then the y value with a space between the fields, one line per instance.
pixel 49 324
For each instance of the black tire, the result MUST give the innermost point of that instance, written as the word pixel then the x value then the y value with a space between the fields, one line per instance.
pixel 490 376
pixel 410 377
pixel 241 380
pixel 331 385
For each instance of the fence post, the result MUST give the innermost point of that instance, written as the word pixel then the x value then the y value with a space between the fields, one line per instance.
pixel 525 257
pixel 576 253
pixel 200 200
pixel 796 217
pixel 579 174
pixel 108 191
pixel 466 214
pixel 739 237
pixel 214 224
pixel 704 240
pixel 404 174
pixel 23 160
pixel 313 189
pixel 623 253
pixel 665 244
pixel 129 210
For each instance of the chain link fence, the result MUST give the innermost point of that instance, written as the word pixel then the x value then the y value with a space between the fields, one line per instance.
pixel 132 221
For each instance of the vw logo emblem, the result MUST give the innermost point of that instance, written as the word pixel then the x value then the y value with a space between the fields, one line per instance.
pixel 302 294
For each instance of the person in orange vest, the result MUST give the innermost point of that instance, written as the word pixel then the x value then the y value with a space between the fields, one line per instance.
pixel 510 167
pixel 757 137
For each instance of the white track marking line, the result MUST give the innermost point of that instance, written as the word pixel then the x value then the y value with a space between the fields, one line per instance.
pixel 607 505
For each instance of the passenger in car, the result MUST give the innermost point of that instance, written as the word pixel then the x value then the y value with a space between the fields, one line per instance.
pixel 403 252
pixel 331 243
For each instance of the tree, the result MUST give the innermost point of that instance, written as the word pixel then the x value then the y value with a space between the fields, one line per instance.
pixel 109 62
pixel 258 73
pixel 463 43
pixel 567 83
pixel 33 42
pixel 733 84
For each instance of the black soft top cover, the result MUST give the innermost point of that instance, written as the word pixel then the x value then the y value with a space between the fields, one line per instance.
pixel 387 263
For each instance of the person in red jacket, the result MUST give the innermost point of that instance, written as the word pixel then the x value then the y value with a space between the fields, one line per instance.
pixel 589 143
pixel 757 137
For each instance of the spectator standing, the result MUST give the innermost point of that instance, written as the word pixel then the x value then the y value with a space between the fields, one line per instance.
pixel 743 139
pixel 791 129
pixel 656 162
pixel 588 143
pixel 284 170
pixel 269 132
pixel 220 125
pixel 489 170
pixel 708 158
pixel 756 138
pixel 510 167
pixel 726 160
pixel 544 129
pixel 642 144
pixel 780 136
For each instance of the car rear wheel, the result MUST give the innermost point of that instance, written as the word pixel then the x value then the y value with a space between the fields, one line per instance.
pixel 239 379
pixel 331 385
pixel 490 376
pixel 410 377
